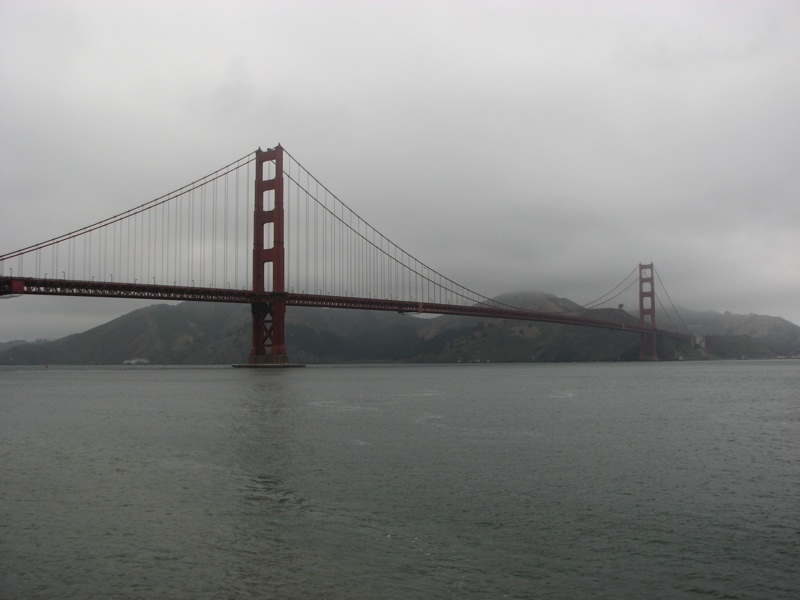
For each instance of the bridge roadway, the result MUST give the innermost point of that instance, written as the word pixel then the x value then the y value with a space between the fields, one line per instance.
pixel 104 289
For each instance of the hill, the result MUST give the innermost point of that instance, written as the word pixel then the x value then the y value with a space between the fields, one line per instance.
pixel 207 333
pixel 751 335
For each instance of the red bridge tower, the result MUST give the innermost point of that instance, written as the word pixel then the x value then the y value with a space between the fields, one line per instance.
pixel 269 327
pixel 647 312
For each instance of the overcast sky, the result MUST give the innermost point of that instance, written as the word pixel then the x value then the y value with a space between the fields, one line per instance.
pixel 512 146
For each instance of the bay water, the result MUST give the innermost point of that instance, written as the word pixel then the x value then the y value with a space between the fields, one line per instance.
pixel 645 480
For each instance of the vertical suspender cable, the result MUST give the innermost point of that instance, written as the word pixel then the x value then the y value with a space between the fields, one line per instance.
pixel 225 235
pixel 178 221
pixel 236 230
pixel 287 232
pixel 307 237
pixel 203 262
pixel 164 217
pixel 247 255
pixel 214 234
pixel 324 249
pixel 297 232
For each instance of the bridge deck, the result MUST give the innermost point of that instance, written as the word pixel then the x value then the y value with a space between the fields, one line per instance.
pixel 104 289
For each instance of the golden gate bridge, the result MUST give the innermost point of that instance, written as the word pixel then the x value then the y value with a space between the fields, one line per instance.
pixel 264 231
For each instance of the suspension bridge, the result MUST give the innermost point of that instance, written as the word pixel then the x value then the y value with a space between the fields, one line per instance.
pixel 265 232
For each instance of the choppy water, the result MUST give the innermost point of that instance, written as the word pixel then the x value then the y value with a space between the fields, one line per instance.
pixel 668 480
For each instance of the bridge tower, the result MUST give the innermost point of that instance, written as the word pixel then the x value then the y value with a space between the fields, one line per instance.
pixel 647 312
pixel 269 327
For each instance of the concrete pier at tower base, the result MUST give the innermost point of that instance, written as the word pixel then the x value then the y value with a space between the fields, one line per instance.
pixel 268 366
pixel 268 361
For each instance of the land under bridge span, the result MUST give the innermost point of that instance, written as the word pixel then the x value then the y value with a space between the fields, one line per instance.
pixel 264 231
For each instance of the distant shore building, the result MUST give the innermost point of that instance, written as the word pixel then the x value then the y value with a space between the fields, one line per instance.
pixel 136 361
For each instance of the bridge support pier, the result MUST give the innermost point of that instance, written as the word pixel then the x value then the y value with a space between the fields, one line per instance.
pixel 648 347
pixel 269 333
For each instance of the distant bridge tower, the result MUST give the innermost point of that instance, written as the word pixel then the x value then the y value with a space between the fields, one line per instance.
pixel 269 317
pixel 647 312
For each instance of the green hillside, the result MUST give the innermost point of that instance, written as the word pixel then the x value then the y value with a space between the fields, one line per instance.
pixel 207 333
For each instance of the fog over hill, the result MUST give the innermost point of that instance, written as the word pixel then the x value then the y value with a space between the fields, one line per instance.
pixel 207 333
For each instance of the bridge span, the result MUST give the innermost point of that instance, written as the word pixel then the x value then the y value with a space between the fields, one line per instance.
pixel 263 231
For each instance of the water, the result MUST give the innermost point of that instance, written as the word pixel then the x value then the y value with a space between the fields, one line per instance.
pixel 667 480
